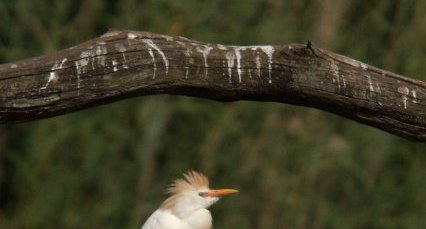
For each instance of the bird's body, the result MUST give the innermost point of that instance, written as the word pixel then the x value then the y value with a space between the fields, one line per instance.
pixel 164 218
pixel 187 207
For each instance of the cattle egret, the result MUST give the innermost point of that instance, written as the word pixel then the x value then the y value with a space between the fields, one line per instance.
pixel 186 208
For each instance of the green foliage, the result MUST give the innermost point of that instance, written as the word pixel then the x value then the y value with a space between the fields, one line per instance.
pixel 107 167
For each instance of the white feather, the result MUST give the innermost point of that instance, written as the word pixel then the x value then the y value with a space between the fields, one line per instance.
pixel 165 219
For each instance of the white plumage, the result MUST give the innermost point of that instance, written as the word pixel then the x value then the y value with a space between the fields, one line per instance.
pixel 186 208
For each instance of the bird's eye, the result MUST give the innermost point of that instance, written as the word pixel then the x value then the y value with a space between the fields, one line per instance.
pixel 201 194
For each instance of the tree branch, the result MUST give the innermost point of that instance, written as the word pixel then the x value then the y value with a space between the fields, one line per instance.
pixel 123 64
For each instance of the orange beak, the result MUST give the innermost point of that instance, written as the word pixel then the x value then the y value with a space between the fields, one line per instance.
pixel 218 193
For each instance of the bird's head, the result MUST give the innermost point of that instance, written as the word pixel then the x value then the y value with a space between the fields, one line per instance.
pixel 193 193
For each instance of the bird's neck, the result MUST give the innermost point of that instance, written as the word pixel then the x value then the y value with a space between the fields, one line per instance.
pixel 196 216
pixel 197 219
pixel 200 219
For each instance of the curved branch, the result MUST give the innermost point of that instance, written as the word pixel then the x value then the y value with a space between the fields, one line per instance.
pixel 122 64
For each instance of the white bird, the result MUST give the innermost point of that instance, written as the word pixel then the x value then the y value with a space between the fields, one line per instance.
pixel 186 208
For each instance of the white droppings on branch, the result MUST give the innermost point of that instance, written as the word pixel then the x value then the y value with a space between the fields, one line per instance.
pixel 258 65
pixel 153 61
pixel 347 60
pixel 184 38
pixel 336 73
pixel 338 81
pixel 122 49
pixel 77 66
pixel 404 92
pixel 168 38
pixel 238 55
pixel 204 50
pixel 378 89
pixel 266 49
pixel 53 75
pixel 13 66
pixel 187 61
pixel 132 36
pixel 230 57
pixel 221 47
pixel 81 64
pixel 183 44
pixel 334 68
pixel 187 57
pixel 114 65
pixel 414 95
pixel 92 60
pixel 62 64
pixel 269 51
pixel 370 83
pixel 150 43
pixel 101 51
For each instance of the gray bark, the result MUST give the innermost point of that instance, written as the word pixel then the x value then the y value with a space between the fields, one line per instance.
pixel 123 64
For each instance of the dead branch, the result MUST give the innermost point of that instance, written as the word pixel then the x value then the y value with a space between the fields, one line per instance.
pixel 123 64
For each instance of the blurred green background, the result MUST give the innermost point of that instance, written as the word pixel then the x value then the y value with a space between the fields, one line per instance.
pixel 107 167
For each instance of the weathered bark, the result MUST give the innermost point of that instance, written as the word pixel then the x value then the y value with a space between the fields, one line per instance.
pixel 122 64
